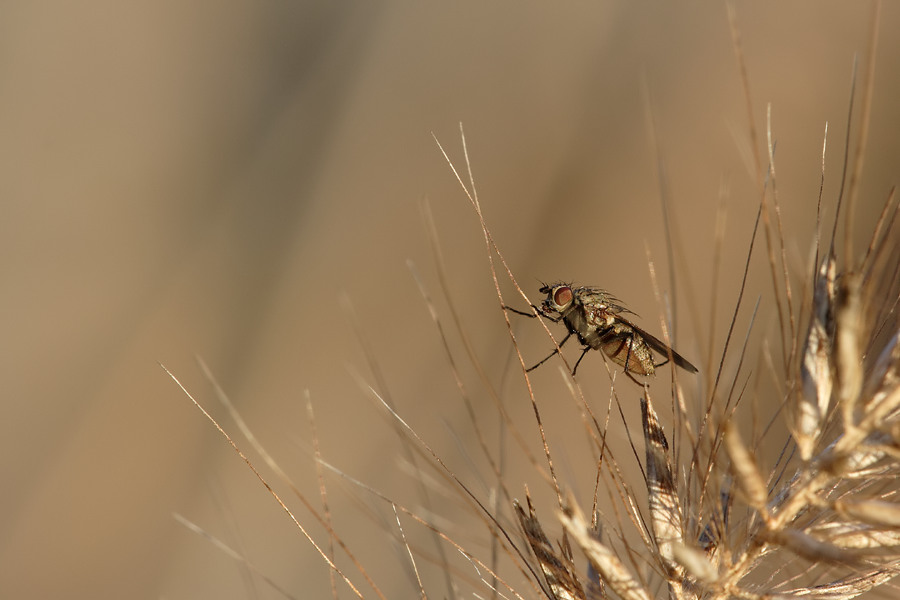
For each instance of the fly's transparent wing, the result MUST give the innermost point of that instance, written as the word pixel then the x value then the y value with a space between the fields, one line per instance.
pixel 664 350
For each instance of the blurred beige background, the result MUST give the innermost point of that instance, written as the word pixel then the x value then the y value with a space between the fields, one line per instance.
pixel 208 178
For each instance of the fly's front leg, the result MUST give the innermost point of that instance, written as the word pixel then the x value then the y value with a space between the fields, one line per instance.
pixel 552 354
pixel 521 312
pixel 531 315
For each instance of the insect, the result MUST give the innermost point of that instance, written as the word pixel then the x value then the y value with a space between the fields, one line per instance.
pixel 595 317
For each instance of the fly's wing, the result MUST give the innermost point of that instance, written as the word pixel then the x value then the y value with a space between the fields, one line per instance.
pixel 664 350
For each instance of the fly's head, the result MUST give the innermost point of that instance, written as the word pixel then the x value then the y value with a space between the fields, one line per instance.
pixel 559 300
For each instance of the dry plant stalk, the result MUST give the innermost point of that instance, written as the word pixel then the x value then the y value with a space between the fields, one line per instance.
pixel 717 520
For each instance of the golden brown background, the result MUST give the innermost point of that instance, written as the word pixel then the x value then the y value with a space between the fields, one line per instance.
pixel 181 178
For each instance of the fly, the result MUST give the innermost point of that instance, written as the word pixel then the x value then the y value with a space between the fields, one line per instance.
pixel 595 317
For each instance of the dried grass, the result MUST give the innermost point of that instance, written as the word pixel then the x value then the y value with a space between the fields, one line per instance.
pixel 717 518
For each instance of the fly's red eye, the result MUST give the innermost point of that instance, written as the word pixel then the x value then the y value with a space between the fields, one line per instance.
pixel 562 296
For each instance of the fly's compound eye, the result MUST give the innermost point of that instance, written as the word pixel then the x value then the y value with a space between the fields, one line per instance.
pixel 562 297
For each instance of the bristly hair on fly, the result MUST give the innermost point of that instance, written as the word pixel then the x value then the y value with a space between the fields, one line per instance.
pixel 596 317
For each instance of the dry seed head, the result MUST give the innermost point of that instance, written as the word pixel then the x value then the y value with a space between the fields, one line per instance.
pixel 604 560
pixel 873 512
pixel 815 368
pixel 848 345
pixel 665 510
pixel 858 535
pixel 695 563
pixel 746 472
pixel 558 570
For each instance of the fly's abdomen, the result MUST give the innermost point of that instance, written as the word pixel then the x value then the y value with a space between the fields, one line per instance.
pixel 627 350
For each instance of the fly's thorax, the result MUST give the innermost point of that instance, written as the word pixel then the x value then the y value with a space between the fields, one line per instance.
pixel 591 338
pixel 575 319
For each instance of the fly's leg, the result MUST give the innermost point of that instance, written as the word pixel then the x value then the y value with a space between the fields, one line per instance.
pixel 521 312
pixel 633 378
pixel 629 341
pixel 552 354
pixel 531 315
pixel 578 362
